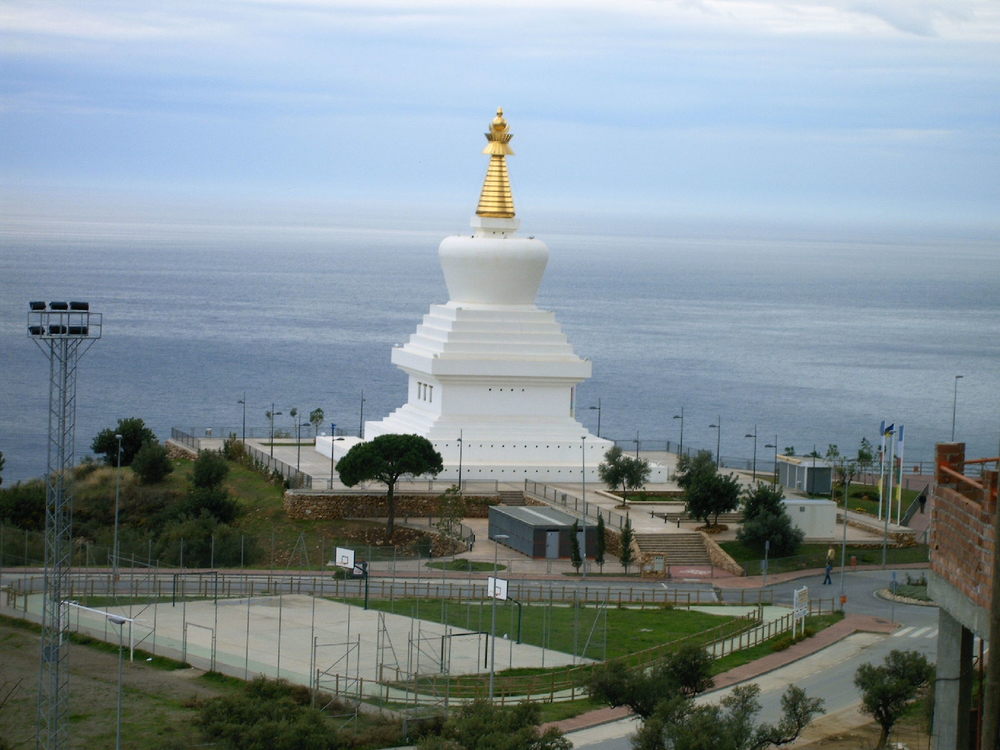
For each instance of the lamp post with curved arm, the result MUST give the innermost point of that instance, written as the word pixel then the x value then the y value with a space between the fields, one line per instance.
pixel 680 447
pixel 718 440
pixel 754 436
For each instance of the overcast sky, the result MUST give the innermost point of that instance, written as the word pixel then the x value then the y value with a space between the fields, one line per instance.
pixel 843 111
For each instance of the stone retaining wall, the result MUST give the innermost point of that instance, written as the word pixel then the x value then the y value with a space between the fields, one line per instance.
pixel 902 538
pixel 326 507
pixel 720 558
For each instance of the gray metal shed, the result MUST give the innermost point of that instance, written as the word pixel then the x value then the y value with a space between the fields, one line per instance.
pixel 539 531
pixel 805 474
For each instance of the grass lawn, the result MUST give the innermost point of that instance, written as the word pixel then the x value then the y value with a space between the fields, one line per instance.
pixel 814 556
pixel 282 542
pixel 559 627
pixel 814 624
pixel 864 498
pixel 916 591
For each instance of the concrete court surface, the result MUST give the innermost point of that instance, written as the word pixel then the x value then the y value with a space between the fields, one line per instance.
pixel 349 640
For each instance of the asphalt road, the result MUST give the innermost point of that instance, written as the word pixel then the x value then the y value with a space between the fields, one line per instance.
pixel 828 674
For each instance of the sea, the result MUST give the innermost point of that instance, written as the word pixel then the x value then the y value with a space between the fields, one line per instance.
pixel 805 339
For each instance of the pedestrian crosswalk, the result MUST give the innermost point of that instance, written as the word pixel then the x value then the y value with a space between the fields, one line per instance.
pixel 915 632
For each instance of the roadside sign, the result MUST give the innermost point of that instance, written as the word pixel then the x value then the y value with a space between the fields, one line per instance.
pixel 800 607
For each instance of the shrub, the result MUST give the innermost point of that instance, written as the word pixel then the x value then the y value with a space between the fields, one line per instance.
pixel 212 500
pixel 151 463
pixel 210 469
pixel 233 448
pixel 776 528
pixel 269 715
pixel 23 505
pixel 196 535
pixel 85 468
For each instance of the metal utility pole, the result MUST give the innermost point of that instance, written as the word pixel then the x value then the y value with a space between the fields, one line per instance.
pixel 64 331
pixel 680 448
pixel 114 550
pixel 583 485
pixel 954 407
pixel 598 409
pixel 718 440
pixel 461 447
pixel 243 403
pixel 754 436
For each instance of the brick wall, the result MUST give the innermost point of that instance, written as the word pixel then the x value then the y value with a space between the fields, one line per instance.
pixel 962 523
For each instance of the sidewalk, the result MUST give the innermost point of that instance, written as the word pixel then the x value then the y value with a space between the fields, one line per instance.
pixel 851 624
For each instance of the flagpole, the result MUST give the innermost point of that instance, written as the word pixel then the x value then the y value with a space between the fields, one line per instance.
pixel 881 468
pixel 899 482
pixel 885 537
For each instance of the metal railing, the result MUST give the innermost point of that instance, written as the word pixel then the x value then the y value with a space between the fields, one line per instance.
pixel 186 439
pixel 573 504
pixel 267 462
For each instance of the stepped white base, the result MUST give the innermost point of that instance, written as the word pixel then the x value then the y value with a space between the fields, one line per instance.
pixel 508 460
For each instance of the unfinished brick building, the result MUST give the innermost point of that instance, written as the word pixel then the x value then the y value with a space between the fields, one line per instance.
pixel 965 570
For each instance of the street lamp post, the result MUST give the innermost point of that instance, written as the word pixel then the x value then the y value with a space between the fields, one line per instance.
pixel 298 442
pixel 598 409
pixel 271 415
pixel 333 434
pixel 754 436
pixel 461 445
pixel 954 407
pixel 718 440
pixel 583 484
pixel 493 612
pixel 361 419
pixel 775 446
pixel 243 402
pixel 118 476
pixel 680 447
pixel 637 444
pixel 120 621
pixel 848 474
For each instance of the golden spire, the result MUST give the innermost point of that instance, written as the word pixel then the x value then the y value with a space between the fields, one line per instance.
pixel 496 200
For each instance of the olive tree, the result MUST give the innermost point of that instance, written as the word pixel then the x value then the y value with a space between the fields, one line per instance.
pixel 627 472
pixel 887 689
pixel 679 724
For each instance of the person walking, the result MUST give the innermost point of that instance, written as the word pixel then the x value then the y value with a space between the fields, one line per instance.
pixel 829 569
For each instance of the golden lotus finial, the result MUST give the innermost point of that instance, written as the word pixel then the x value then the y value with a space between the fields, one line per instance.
pixel 496 200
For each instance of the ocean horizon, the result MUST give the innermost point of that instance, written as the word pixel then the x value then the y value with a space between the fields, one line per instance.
pixel 811 338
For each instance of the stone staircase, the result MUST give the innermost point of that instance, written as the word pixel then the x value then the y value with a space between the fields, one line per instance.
pixel 511 497
pixel 686 548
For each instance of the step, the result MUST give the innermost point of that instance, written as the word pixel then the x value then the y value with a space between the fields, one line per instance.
pixel 679 549
pixel 510 497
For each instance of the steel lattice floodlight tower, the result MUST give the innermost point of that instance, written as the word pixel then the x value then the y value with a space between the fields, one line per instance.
pixel 64 331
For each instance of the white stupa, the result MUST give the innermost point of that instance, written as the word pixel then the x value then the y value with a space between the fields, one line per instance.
pixel 491 376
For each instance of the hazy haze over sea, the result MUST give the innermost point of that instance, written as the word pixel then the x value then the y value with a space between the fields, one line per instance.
pixel 813 340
